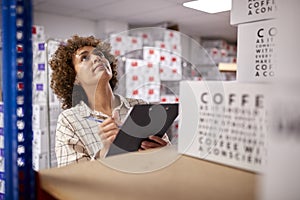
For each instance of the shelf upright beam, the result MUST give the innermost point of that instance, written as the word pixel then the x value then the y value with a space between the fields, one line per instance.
pixel 17 99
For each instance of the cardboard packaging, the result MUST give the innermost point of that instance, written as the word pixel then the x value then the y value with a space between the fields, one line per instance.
pixel 245 11
pixel 225 122
pixel 256 59
pixel 40 142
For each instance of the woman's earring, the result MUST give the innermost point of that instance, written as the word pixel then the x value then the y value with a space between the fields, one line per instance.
pixel 76 82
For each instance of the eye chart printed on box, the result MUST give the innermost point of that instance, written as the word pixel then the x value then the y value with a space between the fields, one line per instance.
pixel 224 122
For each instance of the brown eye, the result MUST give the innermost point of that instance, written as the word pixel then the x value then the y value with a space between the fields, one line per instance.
pixel 84 58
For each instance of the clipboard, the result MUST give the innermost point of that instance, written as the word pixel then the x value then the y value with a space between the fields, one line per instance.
pixel 143 121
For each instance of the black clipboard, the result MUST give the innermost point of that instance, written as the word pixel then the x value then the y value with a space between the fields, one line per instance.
pixel 144 120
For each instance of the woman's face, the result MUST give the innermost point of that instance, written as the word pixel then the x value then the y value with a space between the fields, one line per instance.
pixel 91 66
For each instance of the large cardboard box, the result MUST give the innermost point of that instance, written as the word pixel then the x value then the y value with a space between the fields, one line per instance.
pixel 245 11
pixel 256 57
pixel 224 122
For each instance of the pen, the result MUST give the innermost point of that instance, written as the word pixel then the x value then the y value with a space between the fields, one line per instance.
pixel 97 120
pixel 94 119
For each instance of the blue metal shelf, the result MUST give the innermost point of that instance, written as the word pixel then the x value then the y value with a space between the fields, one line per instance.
pixel 17 98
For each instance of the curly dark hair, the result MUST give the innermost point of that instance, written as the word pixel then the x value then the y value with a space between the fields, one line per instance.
pixel 63 71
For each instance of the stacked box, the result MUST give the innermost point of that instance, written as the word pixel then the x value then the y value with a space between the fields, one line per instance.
pixel 257 32
pixel 173 41
pixel 39 73
pixel 161 49
pixel 219 51
pixel 252 10
pixel 39 97
pixel 38 33
pixel 257 51
pixel 52 45
pixel 225 122
pixel 134 44
pixel 142 80
pixel 118 44
pixel 170 66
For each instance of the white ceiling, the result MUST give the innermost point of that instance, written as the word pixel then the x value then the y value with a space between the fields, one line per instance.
pixel 145 13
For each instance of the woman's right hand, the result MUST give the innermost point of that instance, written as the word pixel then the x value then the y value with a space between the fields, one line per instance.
pixel 108 132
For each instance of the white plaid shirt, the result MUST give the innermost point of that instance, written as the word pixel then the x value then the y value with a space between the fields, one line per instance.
pixel 77 137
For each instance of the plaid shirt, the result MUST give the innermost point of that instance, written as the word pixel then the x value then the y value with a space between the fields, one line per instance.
pixel 77 137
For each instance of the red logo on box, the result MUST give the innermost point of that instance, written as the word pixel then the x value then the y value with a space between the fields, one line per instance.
pixel 174 71
pixel 134 64
pixel 118 39
pixel 173 59
pixel 163 99
pixel 151 78
pixel 151 51
pixel 150 65
pixel 145 36
pixel 117 52
pixel 162 58
pixel 135 92
pixel 135 78
pixel 150 91
pixel 134 41
pixel 162 45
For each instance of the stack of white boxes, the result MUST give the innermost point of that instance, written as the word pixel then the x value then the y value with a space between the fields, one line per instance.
pixel 2 167
pixel 45 108
pixel 152 67
pixel 220 51
pixel 40 143
pixel 54 104
pixel 256 39
pixel 227 122
pixel 257 48
pixel 161 62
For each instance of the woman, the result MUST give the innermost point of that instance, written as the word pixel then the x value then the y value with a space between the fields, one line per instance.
pixel 84 77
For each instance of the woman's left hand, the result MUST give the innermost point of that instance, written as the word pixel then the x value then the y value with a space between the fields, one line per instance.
pixel 154 142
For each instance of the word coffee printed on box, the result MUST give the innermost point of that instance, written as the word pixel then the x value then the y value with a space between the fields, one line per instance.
pixel 246 11
pixel 256 59
pixel 224 122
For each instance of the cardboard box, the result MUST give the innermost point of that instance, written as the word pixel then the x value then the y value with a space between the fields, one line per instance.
pixel 257 51
pixel 245 11
pixel 39 161
pixel 39 116
pixel 224 122
pixel 40 142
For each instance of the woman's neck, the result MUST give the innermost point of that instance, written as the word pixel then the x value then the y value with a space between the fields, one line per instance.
pixel 102 99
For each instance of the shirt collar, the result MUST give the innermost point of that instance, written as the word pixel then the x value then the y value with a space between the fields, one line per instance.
pixel 86 111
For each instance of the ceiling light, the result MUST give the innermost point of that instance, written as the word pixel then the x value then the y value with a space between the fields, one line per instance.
pixel 209 6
